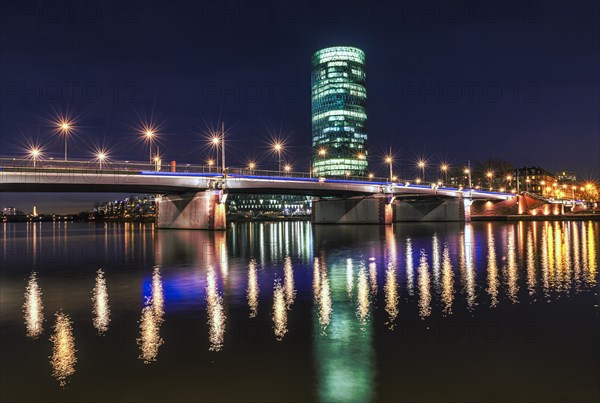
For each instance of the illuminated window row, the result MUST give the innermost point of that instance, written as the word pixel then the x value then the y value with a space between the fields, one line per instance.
pixel 339 112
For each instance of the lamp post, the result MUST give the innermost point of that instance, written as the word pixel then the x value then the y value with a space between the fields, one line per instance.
pixel 216 142
pixel 390 161
pixel 101 156
pixel 490 176
pixel 421 164
pixel 35 153
pixel 468 172
pixel 65 128
pixel 149 133
pixel 278 148
pixel 444 168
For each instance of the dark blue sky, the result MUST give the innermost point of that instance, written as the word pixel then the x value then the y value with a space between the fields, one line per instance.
pixel 509 80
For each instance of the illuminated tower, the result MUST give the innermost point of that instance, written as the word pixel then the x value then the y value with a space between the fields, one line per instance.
pixel 339 118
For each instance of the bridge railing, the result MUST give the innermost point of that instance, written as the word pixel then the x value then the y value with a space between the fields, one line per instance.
pixel 112 167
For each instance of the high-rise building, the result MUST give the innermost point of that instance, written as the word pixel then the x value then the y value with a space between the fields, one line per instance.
pixel 339 117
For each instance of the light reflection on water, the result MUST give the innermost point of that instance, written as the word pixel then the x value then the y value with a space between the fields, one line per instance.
pixel 33 308
pixel 63 357
pixel 101 307
pixel 466 270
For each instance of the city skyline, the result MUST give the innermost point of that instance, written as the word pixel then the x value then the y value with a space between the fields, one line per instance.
pixel 429 97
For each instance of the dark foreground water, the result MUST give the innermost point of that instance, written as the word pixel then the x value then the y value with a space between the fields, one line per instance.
pixel 286 311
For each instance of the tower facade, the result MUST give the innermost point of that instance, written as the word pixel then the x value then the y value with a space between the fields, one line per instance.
pixel 339 117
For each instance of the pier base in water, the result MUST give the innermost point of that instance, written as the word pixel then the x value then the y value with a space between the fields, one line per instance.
pixel 202 210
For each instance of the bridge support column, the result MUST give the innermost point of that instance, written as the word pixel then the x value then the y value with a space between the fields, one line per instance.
pixel 428 210
pixel 376 209
pixel 202 210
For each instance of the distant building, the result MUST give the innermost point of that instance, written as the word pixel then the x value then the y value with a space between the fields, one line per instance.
pixel 534 180
pixel 9 210
pixel 566 177
pixel 133 207
pixel 269 204
pixel 339 117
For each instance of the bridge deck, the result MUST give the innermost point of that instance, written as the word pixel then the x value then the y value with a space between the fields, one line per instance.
pixel 85 179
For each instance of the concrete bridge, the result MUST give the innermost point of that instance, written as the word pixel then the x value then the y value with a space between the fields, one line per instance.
pixel 194 196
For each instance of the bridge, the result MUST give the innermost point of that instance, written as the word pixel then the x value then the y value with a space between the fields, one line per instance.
pixel 193 196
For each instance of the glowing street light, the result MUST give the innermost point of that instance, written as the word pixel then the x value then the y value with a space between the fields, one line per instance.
pixel 277 147
pixel 34 153
pixel 252 165
pixel 65 127
pixel 322 152
pixel 489 175
pixel 149 137
pixel 468 172
pixel 287 168
pixel 215 141
pixel 101 156
pixel 444 168
pixel 390 160
pixel 421 165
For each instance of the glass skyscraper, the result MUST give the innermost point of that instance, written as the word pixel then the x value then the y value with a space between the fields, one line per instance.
pixel 339 118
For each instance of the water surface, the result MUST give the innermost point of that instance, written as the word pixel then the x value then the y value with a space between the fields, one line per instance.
pixel 290 311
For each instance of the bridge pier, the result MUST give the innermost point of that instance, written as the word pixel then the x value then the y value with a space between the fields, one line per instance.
pixel 201 210
pixel 432 210
pixel 375 209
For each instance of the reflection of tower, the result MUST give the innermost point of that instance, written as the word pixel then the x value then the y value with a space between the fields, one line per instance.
pixel 339 118
pixel 34 212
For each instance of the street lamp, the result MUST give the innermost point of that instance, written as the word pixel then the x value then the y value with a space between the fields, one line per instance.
pixel 490 175
pixel 216 142
pixel 287 168
pixel 278 149
pixel 64 127
pixel 210 163
pixel 35 153
pixel 101 156
pixel 421 164
pixel 444 168
pixel 390 161
pixel 251 165
pixel 149 136
pixel 468 172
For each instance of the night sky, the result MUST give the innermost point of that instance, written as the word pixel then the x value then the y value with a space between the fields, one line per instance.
pixel 517 81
